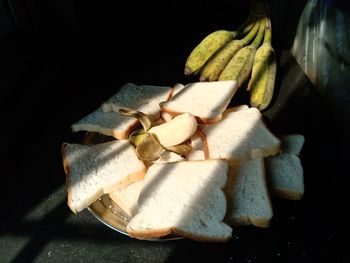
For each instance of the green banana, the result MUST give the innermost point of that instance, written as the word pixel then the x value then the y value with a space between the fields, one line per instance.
pixel 240 66
pixel 262 81
pixel 213 68
pixel 211 44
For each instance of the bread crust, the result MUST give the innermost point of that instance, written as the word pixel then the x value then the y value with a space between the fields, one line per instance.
pixel 129 179
pixel 203 137
pixel 200 238
pixel 124 134
pixel 69 185
pixel 147 234
pixel 68 174
pixel 159 233
pixel 247 221
pixel 286 194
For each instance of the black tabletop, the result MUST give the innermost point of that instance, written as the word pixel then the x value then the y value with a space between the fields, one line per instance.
pixel 50 89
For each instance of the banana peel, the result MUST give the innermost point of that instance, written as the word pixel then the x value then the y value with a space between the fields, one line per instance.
pixel 151 142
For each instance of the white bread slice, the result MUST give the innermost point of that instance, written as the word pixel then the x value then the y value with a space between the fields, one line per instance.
pixel 205 100
pixel 247 194
pixel 107 119
pixel 285 172
pixel 126 198
pixel 285 176
pixel 185 198
pixel 292 143
pixel 98 169
pixel 198 140
pixel 240 135
pixel 107 123
pixel 144 98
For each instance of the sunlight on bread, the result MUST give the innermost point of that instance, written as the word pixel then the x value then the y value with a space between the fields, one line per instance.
pixel 216 168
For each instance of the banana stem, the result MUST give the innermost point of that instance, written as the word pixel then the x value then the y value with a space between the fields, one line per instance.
pixel 245 27
pixel 268 35
pixel 260 35
pixel 251 34
pixel 268 32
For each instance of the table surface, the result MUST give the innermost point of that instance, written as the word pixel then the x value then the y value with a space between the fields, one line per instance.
pixel 37 225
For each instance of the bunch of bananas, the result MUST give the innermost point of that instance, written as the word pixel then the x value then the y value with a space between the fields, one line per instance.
pixel 244 55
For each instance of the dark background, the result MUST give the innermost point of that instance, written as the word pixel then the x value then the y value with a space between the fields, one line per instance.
pixel 61 59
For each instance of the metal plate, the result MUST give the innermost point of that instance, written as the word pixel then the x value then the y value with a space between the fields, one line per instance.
pixel 107 211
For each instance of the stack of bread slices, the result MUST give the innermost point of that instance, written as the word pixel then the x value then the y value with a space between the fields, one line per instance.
pixel 235 166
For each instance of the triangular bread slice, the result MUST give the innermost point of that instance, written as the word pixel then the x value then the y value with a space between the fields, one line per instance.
pixel 198 139
pixel 126 198
pixel 285 174
pixel 92 171
pixel 144 98
pixel 205 100
pixel 107 119
pixel 247 194
pixel 107 123
pixel 240 135
pixel 185 198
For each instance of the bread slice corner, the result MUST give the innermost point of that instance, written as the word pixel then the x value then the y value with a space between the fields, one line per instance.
pixel 92 171
pixel 248 197
pixel 205 100
pixel 184 198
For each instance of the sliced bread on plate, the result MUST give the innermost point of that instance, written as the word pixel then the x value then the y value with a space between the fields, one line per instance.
pixel 285 172
pixel 107 119
pixel 92 171
pixel 184 198
pixel 144 98
pixel 247 194
pixel 205 100
pixel 107 123
pixel 127 197
pixel 240 135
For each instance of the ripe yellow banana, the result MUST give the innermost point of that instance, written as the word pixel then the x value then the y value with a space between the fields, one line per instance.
pixel 211 44
pixel 212 69
pixel 262 81
pixel 240 66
